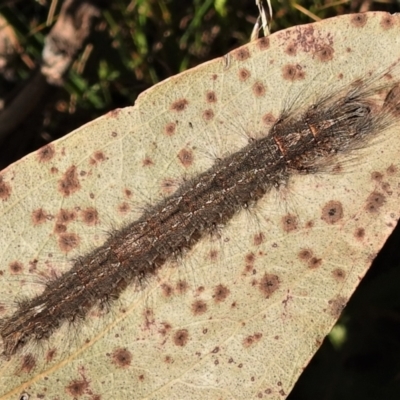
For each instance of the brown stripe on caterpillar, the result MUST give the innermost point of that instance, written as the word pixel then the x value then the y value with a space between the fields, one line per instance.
pixel 301 141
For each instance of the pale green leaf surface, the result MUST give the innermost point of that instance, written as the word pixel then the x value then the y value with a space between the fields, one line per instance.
pixel 246 345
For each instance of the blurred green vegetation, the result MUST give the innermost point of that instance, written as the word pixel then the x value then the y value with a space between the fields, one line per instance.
pixel 136 44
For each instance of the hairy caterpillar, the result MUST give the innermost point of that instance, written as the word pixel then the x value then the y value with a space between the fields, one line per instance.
pixel 302 140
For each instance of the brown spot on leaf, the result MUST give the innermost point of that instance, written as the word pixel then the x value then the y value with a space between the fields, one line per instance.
pixel 376 176
pixel 269 284
pixel 147 162
pixel 179 105
pixel 337 305
pixel 268 119
pixel 244 74
pixel 170 128
pixel 213 255
pixel 65 216
pixel 305 254
pixel 289 223
pixel 167 290
pixel 33 265
pixel 168 185
pixel 332 212
pixel 250 258
pixel 77 387
pixel 259 89
pixel 211 97
pixel 386 188
pixel 148 315
pixel 247 269
pixel 182 286
pixel 199 307
pixel 374 202
pixel 99 156
pixel 241 54
pixel 359 233
pixel 128 193
pixel 168 359
pixel 391 170
pixel 186 157
pixel 121 357
pixel 59 228
pixel 292 72
pixel 221 292
pixel 114 113
pixel 263 43
pixel 50 354
pixel 339 274
pixel 208 114
pixel 325 53
pixel 46 153
pixel 291 49
pixel 16 267
pixel 359 20
pixel 124 208
pixel 90 216
pixel 39 216
pixel 314 262
pixel 5 189
pixel 181 337
pixel 68 241
pixel 252 339
pixel 258 238
pixel 387 22
pixel 69 183
pixel 166 328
